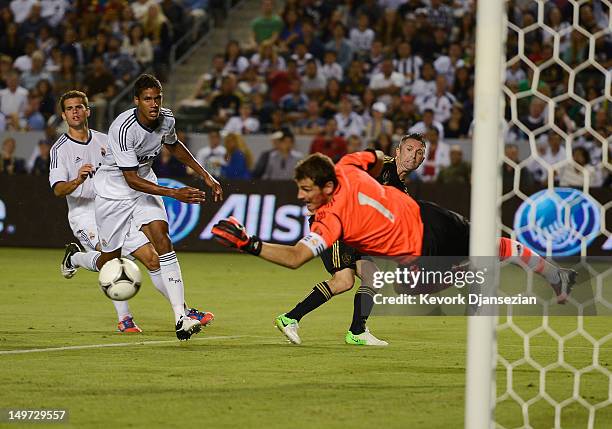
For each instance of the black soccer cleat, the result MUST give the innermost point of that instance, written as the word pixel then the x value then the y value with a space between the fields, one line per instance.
pixel 186 327
pixel 66 268
pixel 566 284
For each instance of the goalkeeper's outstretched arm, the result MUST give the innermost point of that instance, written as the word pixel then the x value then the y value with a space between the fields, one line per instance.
pixel 232 233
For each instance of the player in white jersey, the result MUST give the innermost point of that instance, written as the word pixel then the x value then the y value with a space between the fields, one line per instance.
pixel 74 159
pixel 127 191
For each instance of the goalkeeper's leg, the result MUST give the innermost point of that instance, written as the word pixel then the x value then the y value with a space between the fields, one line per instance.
pixel 561 280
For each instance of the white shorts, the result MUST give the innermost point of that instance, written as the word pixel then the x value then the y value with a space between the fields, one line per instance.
pixel 116 218
pixel 85 230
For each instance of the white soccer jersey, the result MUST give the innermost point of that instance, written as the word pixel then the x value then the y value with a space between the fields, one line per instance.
pixel 131 146
pixel 67 156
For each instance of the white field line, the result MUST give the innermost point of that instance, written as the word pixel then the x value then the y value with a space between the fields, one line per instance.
pixel 100 346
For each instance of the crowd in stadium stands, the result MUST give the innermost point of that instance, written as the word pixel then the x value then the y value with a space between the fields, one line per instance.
pixel 361 73
pixel 50 46
pixel 351 74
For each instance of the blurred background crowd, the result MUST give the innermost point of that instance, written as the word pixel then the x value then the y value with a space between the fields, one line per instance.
pixel 347 74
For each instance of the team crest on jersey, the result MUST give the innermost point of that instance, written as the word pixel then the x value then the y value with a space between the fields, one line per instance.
pixel 78 158
pixel 103 151
pixel 104 242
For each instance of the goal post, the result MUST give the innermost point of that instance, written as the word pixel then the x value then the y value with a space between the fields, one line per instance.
pixel 480 376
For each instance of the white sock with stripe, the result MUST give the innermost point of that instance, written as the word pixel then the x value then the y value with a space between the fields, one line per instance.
pixel 86 260
pixel 123 309
pixel 158 282
pixel 171 276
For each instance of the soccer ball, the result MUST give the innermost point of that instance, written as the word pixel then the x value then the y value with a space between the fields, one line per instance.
pixel 120 279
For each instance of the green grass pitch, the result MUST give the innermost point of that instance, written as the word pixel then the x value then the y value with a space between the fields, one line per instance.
pixel 240 372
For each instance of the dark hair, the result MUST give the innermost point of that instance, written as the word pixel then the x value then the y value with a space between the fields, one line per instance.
pixel 145 81
pixel 414 136
pixel 73 94
pixel 317 167
pixel 585 154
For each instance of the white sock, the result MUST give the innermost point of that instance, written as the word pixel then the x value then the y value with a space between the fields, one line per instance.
pixel 171 276
pixel 86 260
pixel 123 309
pixel 158 282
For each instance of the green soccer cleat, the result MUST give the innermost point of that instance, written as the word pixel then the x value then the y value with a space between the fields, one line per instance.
pixel 363 339
pixel 289 328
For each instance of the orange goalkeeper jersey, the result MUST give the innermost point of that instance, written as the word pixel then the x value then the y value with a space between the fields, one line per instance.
pixel 375 219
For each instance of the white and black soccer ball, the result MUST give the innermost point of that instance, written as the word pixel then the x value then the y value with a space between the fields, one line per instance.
pixel 120 279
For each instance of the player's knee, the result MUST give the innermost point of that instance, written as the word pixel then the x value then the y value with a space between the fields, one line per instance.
pixel 341 282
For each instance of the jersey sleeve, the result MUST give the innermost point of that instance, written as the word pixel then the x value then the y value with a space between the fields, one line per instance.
pixel 363 160
pixel 121 142
pixel 170 137
pixel 324 231
pixel 58 171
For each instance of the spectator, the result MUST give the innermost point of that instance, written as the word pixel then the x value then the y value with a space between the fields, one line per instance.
pixel 458 125
pixel 355 82
pixel 32 119
pixel 238 158
pixel 301 56
pixel 226 103
pixel 264 157
pixel 67 77
pixel 294 103
pixel 2 122
pixel 428 122
pixel 175 12
pixel 341 46
pixel 463 85
pixel 21 9
pixel 537 116
pixel 30 78
pixel 70 45
pixel 157 30
pixel 140 8
pixel 166 165
pixel 440 15
pixel 212 157
pixel 32 25
pixel 41 164
pixel 266 59
pixel 243 124
pixel 138 46
pixel 383 143
pixel 123 66
pixel 354 144
pixel 526 181
pixel 387 82
pixel 46 40
pixel 291 32
pixel 24 62
pixel 53 11
pixel 407 63
pixel 329 143
pixel 331 100
pixel 580 171
pixel 10 43
pixel 555 21
pixel 312 123
pixel 267 26
pixel 458 171
pixel 389 28
pixel 441 102
pixel 311 41
pixel 10 164
pixel 100 87
pixel 99 47
pixel 362 36
pixel 252 84
pixel 313 82
pixel 438 157
pixel 282 160
pixel 235 63
pixel 378 125
pixel 425 85
pixel 280 81
pixel 555 154
pixel 375 58
pixel 330 68
pixel 208 84
pixel 447 65
pixel 262 110
pixel 14 98
pixel 348 122
pixel 406 116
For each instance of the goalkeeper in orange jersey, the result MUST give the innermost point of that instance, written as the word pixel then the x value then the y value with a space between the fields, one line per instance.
pixel 349 204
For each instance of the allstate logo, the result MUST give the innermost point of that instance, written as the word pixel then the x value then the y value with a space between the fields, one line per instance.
pixel 182 217
pixel 562 219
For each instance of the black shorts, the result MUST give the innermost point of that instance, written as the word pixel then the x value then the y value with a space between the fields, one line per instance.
pixel 340 256
pixel 445 233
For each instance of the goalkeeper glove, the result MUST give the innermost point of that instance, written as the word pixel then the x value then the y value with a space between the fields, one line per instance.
pixel 231 233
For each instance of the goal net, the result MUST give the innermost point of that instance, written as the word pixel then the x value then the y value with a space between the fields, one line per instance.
pixel 555 197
